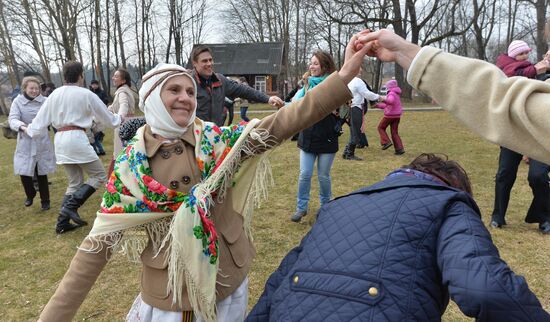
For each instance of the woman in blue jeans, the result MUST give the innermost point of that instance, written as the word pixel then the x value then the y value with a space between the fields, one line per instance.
pixel 318 142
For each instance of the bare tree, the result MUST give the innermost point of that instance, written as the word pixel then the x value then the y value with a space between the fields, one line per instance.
pixel 65 14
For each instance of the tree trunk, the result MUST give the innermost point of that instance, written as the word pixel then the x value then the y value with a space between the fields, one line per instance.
pixel 119 33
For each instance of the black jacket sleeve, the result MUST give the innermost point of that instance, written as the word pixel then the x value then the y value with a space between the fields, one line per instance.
pixel 233 90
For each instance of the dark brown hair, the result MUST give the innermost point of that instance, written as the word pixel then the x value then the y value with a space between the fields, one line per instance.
pixel 199 50
pixel 126 76
pixel 446 170
pixel 325 60
pixel 72 70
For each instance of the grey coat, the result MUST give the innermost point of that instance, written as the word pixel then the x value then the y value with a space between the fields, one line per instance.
pixel 30 152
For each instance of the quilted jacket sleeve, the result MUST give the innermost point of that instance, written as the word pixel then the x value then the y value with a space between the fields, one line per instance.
pixel 261 311
pixel 477 279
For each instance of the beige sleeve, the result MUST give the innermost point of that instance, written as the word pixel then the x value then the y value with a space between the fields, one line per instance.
pixel 75 285
pixel 313 107
pixel 123 104
pixel 512 112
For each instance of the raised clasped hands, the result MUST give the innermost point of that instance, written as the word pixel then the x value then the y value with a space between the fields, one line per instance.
pixel 385 45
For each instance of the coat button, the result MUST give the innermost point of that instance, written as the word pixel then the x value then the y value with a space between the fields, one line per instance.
pixel 295 279
pixel 165 154
pixel 186 179
pixel 178 149
pixel 373 291
pixel 174 184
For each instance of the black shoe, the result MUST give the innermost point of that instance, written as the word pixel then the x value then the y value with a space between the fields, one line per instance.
pixel 495 224
pixel 387 145
pixel 28 202
pixel 497 221
pixel 61 229
pixel 362 146
pixel 45 205
pixel 352 157
pixel 399 152
pixel 545 227
pixel 297 216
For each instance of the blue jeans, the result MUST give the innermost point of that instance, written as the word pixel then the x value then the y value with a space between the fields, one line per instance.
pixel 324 163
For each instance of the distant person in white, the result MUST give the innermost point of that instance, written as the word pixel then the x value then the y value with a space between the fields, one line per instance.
pixel 360 93
pixel 71 110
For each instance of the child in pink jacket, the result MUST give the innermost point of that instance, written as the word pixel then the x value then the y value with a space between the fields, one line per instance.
pixel 392 115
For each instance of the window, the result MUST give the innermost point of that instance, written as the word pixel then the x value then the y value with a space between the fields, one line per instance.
pixel 260 84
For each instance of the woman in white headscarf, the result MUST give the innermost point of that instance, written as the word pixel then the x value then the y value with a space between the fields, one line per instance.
pixel 191 186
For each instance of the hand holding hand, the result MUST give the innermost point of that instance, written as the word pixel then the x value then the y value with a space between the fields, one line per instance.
pixel 276 101
pixel 542 66
pixel 354 58
pixel 388 47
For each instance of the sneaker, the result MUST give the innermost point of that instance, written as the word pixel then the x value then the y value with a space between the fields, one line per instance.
pixel 387 145
pixel 399 152
pixel 297 216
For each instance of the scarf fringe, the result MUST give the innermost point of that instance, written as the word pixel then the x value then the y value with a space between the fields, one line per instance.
pixel 131 242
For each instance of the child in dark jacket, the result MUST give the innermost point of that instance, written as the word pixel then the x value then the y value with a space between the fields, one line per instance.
pixel 392 115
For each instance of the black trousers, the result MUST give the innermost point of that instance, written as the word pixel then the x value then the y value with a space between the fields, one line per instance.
pixel 356 121
pixel 508 163
pixel 28 185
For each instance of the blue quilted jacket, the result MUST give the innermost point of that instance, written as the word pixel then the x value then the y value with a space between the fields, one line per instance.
pixel 396 251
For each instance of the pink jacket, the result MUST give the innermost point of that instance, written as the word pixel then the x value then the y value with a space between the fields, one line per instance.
pixel 392 104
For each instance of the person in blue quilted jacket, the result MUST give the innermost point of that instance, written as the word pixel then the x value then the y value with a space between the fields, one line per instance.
pixel 398 251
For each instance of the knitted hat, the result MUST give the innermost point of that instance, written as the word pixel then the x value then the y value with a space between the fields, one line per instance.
pixel 391 84
pixel 517 47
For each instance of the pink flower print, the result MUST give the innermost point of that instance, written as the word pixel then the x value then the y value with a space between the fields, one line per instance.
pixel 111 187
pixel 153 185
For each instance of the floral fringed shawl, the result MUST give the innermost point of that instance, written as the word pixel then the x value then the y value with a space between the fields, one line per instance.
pixel 135 203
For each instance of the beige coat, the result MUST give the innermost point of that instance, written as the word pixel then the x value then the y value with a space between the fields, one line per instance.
pixel 124 105
pixel 512 112
pixel 174 165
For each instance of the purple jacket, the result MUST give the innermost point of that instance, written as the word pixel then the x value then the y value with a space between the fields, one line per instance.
pixel 392 104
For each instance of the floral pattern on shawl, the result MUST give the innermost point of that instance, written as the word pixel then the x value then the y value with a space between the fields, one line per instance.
pixel 214 145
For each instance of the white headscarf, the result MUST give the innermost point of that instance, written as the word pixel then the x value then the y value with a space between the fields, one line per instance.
pixel 150 103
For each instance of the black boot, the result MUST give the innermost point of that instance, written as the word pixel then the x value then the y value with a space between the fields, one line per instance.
pixel 44 192
pixel 63 221
pixel 30 192
pixel 75 201
pixel 345 154
pixel 349 153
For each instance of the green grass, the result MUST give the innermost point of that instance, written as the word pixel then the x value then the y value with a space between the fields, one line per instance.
pixel 33 259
